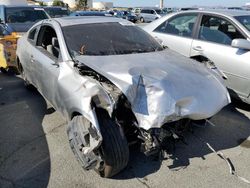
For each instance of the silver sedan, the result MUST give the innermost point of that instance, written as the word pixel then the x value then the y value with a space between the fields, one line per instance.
pixel 115 84
pixel 221 37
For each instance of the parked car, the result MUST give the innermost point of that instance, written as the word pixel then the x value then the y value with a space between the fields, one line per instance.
pixel 55 12
pixel 14 21
pixel 113 82
pixel 188 8
pixel 218 36
pixel 127 15
pixel 89 13
pixel 149 15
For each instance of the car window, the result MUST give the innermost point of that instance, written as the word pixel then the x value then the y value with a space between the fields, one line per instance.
pixel 1 13
pixel 47 40
pixel 24 15
pixel 244 20
pixel 218 30
pixel 181 25
pixel 114 39
pixel 152 12
pixel 32 34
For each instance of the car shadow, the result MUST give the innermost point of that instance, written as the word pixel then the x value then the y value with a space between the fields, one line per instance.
pixel 228 129
pixel 24 153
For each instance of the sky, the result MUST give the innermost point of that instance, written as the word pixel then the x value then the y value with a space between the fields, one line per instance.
pixel 177 3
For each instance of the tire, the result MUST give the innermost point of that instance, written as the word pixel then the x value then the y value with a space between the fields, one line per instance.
pixel 142 20
pixel 113 151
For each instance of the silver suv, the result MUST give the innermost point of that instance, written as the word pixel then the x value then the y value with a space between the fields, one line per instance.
pixel 149 15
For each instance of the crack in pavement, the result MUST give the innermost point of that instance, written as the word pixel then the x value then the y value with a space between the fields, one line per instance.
pixel 143 182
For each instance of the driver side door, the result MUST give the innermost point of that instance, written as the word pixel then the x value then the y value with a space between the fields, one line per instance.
pixel 46 58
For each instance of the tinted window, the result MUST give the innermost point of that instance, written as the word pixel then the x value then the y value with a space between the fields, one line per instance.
pixel 146 11
pixel 24 15
pixel 32 34
pixel 108 39
pixel 181 25
pixel 219 30
pixel 244 20
pixel 159 11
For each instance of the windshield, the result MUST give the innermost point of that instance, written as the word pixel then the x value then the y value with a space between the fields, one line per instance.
pixel 24 15
pixel 108 39
pixel 244 20
pixel 57 12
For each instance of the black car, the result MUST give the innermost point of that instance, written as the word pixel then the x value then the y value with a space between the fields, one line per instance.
pixel 89 13
pixel 55 12
pixel 127 15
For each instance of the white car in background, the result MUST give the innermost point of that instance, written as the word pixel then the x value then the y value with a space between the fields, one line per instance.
pixel 150 14
pixel 220 37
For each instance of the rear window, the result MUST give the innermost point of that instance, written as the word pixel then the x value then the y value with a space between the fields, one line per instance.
pixel 24 15
pixel 108 39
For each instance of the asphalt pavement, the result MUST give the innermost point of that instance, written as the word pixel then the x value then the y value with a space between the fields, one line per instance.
pixel 34 149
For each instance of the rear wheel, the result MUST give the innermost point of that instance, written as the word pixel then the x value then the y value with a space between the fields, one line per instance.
pixel 113 152
pixel 27 84
pixel 142 20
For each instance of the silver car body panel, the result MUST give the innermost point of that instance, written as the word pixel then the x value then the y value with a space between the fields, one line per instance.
pixel 232 61
pixel 161 86
pixel 169 89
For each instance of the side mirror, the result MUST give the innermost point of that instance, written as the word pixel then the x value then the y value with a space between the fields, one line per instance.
pixel 241 44
pixel 55 42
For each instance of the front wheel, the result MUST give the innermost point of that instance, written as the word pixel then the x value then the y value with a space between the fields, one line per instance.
pixel 114 151
pixel 142 20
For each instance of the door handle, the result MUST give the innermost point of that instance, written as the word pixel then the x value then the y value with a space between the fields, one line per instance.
pixel 32 60
pixel 198 48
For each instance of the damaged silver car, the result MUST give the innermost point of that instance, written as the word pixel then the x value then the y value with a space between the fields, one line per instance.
pixel 115 84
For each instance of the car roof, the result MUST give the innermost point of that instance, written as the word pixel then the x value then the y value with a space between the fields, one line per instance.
pixel 77 20
pixel 226 12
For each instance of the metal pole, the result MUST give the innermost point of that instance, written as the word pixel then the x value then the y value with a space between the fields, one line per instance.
pixel 161 3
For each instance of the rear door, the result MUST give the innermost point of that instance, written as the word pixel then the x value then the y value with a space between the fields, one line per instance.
pixel 214 42
pixel 177 32
pixel 151 15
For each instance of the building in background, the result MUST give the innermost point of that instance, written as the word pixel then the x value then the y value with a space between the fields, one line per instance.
pixel 13 2
pixel 72 3
pixel 102 5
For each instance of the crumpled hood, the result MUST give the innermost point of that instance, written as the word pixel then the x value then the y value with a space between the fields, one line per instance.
pixel 163 86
